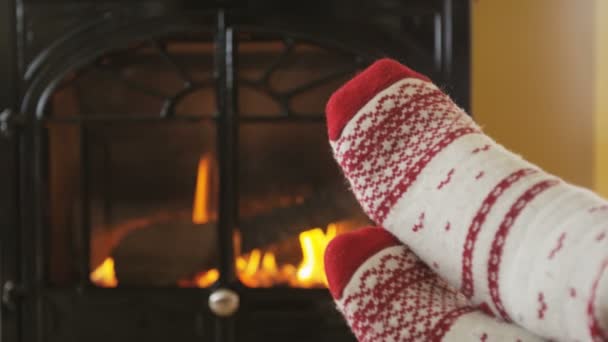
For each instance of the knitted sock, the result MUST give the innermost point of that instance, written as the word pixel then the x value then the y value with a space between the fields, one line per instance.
pixel 387 294
pixel 521 243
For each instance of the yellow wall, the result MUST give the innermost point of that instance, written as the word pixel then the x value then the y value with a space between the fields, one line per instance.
pixel 533 81
pixel 601 97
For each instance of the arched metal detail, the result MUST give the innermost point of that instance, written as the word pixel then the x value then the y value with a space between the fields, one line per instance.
pixel 82 47
pixel 89 47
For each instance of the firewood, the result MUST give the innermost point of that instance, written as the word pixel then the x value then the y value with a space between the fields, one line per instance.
pixel 322 208
pixel 170 248
pixel 163 253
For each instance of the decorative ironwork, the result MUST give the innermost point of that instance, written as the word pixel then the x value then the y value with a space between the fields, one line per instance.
pixel 113 68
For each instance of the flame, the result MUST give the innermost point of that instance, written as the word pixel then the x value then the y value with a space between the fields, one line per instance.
pixel 313 243
pixel 258 268
pixel 104 275
pixel 208 278
pixel 200 209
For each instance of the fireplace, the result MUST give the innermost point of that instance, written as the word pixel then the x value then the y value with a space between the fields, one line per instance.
pixel 166 163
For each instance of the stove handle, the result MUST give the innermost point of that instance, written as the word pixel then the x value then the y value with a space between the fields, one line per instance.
pixel 224 302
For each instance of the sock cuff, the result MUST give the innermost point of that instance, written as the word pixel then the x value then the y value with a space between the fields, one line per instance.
pixel 352 96
pixel 347 252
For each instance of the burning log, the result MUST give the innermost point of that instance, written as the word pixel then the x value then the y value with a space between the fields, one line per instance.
pixel 171 247
pixel 165 252
pixel 322 208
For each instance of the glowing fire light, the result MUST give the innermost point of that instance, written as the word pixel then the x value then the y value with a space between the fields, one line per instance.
pixel 313 242
pixel 208 278
pixel 257 268
pixel 309 273
pixel 200 209
pixel 104 275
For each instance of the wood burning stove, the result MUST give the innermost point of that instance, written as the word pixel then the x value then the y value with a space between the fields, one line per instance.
pixel 164 165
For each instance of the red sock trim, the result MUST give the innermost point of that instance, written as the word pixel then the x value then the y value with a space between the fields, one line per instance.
pixel 347 252
pixel 352 96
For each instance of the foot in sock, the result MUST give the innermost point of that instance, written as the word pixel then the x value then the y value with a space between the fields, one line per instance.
pixel 387 294
pixel 521 243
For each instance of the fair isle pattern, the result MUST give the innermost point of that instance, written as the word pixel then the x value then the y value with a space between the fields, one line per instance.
pixel 386 145
pixel 397 298
pixel 477 223
pixel 443 326
pixel 518 242
pixel 501 236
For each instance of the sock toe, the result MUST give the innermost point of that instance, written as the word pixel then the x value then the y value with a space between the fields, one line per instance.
pixel 348 251
pixel 347 100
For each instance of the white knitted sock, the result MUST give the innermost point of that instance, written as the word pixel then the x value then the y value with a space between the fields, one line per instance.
pixel 386 294
pixel 521 243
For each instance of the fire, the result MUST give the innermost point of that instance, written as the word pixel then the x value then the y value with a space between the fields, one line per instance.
pixel 208 278
pixel 257 268
pixel 104 275
pixel 260 269
pixel 200 208
pixel 313 242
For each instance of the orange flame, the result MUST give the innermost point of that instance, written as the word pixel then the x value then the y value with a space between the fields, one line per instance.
pixel 208 278
pixel 104 275
pixel 200 208
pixel 258 268
pixel 313 243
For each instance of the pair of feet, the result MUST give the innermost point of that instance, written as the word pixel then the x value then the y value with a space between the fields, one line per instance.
pixel 477 244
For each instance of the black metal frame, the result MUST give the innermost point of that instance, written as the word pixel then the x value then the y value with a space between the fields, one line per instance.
pixel 227 142
pixel 41 310
pixel 9 324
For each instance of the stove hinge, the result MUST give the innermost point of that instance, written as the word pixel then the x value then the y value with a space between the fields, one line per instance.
pixel 12 293
pixel 9 119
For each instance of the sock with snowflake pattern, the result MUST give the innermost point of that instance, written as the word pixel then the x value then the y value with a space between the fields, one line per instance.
pixel 386 294
pixel 521 243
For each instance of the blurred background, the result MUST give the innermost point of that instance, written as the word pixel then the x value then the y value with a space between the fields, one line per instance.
pixel 540 83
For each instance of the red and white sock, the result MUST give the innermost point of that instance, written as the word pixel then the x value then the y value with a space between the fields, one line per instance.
pixel 521 243
pixel 387 294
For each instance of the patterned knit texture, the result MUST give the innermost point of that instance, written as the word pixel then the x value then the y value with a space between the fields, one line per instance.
pixel 519 242
pixel 393 296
